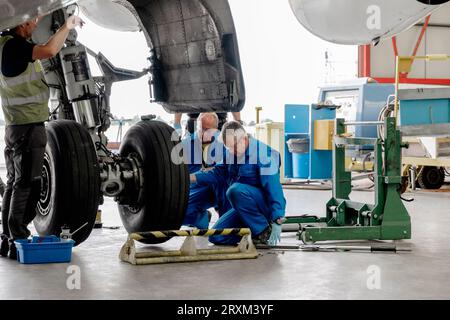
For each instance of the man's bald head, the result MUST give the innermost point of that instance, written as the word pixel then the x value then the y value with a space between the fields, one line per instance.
pixel 208 124
pixel 208 120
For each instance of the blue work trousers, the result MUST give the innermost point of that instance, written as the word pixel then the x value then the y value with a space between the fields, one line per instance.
pixel 201 198
pixel 249 210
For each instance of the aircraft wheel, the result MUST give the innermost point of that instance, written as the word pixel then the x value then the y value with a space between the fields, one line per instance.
pixel 70 192
pixel 164 190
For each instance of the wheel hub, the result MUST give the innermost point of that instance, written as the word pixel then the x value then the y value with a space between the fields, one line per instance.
pixel 132 177
pixel 44 200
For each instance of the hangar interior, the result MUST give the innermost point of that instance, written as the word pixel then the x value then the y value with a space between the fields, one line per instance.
pixel 364 168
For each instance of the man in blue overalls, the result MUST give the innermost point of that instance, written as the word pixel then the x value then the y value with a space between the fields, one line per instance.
pixel 202 151
pixel 252 178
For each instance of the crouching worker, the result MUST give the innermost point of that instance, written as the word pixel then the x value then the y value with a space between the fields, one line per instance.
pixel 254 190
pixel 202 151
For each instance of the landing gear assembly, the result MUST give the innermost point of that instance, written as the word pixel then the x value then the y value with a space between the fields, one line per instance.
pixel 151 191
pixel 150 188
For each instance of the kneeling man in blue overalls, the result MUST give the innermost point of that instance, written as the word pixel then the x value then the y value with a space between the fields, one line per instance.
pixel 250 172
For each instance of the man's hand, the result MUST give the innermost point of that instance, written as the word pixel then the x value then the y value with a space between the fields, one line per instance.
pixel 178 128
pixel 74 21
pixel 192 178
pixel 275 235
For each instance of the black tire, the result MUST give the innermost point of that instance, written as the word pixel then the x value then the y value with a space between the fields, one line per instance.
pixel 71 181
pixel 165 186
pixel 431 178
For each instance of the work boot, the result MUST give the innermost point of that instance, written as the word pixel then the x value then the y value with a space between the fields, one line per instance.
pixel 12 251
pixel 263 237
pixel 4 246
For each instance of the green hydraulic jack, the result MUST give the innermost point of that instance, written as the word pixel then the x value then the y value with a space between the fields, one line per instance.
pixel 388 218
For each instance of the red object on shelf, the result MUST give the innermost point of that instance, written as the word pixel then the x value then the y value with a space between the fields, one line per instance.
pixel 437 82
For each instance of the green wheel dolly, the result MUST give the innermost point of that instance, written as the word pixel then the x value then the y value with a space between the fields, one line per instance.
pixel 388 218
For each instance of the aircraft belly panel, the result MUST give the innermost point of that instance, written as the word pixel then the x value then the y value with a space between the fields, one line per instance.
pixel 197 53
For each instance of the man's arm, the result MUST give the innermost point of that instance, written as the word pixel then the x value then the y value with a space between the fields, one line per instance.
pixel 270 181
pixel 216 175
pixel 56 42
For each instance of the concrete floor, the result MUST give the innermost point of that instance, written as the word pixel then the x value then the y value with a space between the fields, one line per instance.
pixel 422 274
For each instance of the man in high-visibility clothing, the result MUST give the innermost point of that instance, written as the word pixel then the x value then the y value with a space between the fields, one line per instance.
pixel 24 97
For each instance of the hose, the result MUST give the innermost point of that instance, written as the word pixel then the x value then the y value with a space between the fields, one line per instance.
pixel 305 186
pixel 364 189
pixel 406 200
pixel 366 158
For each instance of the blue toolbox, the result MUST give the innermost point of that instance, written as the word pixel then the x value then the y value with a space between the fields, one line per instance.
pixel 49 249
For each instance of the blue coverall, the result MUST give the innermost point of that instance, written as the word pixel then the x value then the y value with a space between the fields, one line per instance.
pixel 253 190
pixel 203 197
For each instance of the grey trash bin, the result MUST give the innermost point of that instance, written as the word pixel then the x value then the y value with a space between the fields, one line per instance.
pixel 299 148
pixel 298 145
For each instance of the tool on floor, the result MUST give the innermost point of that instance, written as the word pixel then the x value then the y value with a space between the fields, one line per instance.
pixel 66 234
pixel 111 227
pixel 277 247
pixel 315 248
pixel 388 218
pixel 374 248
pixel 188 251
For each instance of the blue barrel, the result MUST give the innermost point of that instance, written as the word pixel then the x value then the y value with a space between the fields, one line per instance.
pixel 299 148
pixel 300 165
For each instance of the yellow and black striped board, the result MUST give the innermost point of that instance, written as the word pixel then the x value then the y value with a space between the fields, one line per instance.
pixel 188 233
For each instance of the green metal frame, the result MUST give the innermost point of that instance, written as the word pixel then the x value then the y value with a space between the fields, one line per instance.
pixel 387 219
